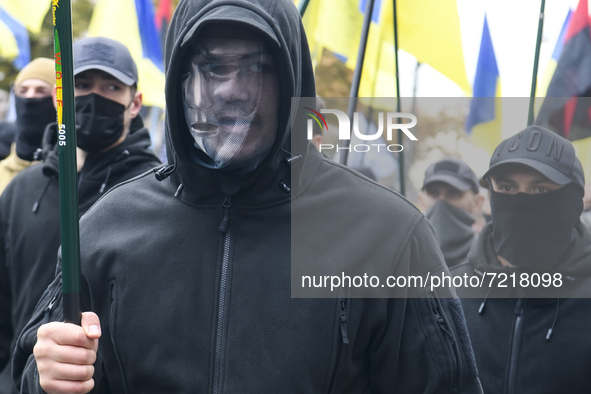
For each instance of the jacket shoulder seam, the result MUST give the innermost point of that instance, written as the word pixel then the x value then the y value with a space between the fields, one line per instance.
pixel 333 163
pixel 409 235
pixel 142 175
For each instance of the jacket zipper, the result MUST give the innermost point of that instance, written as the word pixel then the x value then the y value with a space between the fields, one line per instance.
pixel 31 334
pixel 450 340
pixel 513 356
pixel 222 296
pixel 112 319
pixel 344 341
pixel 343 323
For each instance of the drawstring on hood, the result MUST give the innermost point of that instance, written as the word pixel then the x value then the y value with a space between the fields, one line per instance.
pixel 120 157
pixel 178 192
pixel 104 184
pixel 291 160
pixel 481 308
pixel 38 155
pixel 551 330
pixel 284 186
pixel 163 172
pixel 36 205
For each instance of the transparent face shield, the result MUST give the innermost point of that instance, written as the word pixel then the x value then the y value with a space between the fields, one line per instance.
pixel 231 100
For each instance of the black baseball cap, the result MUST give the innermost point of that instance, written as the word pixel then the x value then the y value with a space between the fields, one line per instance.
pixel 107 55
pixel 544 151
pixel 454 172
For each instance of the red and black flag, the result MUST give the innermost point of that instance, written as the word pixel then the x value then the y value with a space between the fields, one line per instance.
pixel 567 107
pixel 163 16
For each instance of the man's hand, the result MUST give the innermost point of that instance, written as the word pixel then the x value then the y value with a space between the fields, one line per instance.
pixel 65 354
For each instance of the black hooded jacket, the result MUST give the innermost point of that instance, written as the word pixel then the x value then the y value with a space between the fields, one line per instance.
pixel 192 283
pixel 30 224
pixel 529 345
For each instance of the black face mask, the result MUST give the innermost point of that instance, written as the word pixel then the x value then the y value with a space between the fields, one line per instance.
pixel 32 116
pixel 453 228
pixel 99 122
pixel 533 231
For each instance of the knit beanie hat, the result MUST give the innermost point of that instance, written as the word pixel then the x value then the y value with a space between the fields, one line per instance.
pixel 41 68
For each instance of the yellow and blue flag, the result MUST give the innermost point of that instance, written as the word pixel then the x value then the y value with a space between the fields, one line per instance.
pixel 132 23
pixel 17 18
pixel 484 120
pixel 336 26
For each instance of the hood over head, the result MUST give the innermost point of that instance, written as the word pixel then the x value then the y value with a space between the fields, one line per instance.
pixel 279 24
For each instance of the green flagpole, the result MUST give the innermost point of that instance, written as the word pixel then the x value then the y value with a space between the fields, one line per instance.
pixel 302 7
pixel 68 174
pixel 534 78
pixel 357 75
pixel 401 153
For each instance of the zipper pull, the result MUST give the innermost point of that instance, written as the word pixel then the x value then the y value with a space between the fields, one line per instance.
pixel 343 323
pixel 440 320
pixel 436 312
pixel 48 310
pixel 51 303
pixel 224 224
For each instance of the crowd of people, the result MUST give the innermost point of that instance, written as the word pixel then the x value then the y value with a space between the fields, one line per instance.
pixel 187 266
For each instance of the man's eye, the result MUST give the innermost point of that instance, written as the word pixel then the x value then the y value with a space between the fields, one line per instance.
pixel 220 70
pixel 113 88
pixel 507 188
pixel 80 85
pixel 541 190
pixel 453 194
pixel 255 68
pixel 261 67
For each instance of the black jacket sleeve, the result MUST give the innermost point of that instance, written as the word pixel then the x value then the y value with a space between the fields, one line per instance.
pixel 435 354
pixel 24 368
pixel 49 308
pixel 5 299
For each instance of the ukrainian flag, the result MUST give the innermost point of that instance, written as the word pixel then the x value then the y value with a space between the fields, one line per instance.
pixel 427 29
pixel 484 119
pixel 132 23
pixel 17 17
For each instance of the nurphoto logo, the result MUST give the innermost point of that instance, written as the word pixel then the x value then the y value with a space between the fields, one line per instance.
pixel 345 129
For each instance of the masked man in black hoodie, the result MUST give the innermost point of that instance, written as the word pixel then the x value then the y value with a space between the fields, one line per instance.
pixel 34 111
pixel 529 322
pixel 451 195
pixel 191 284
pixel 113 147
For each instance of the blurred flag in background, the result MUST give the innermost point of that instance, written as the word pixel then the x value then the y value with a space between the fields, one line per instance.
pixel 432 37
pixel 551 67
pixel 163 17
pixel 132 23
pixel 566 109
pixel 484 122
pixel 17 17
